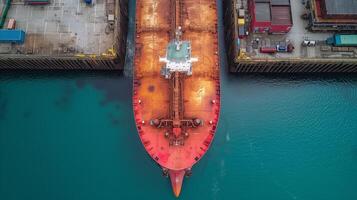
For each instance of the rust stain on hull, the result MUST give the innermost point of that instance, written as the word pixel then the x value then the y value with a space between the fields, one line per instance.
pixel 156 23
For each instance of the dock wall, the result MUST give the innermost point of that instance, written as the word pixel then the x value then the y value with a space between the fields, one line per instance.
pixel 58 63
pixel 121 32
pixel 293 65
pixel 111 61
pixel 230 31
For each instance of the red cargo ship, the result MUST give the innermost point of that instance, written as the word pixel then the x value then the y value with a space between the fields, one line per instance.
pixel 176 95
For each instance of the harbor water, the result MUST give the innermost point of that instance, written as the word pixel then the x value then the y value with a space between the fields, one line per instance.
pixel 71 135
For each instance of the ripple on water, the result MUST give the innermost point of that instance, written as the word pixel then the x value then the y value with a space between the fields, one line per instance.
pixel 3 105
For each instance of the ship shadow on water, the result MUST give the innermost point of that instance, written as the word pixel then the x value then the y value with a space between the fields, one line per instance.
pixel 113 84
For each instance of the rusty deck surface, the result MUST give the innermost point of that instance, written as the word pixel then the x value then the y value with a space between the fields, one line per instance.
pixel 156 21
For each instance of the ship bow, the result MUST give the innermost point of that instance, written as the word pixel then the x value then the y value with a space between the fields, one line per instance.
pixel 176 178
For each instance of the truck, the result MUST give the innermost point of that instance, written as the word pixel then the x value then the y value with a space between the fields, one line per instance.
pixel 285 47
pixel 270 50
pixel 343 40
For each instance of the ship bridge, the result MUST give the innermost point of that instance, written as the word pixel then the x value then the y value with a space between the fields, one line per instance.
pixel 178 57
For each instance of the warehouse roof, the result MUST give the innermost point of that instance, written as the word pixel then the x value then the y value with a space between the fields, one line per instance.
pixel 341 7
pixel 281 15
pixel 262 12
pixel 280 2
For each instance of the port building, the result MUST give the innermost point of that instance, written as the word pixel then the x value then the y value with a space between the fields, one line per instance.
pixel 270 16
pixel 332 15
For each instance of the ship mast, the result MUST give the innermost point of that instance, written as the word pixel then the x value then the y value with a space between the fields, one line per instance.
pixel 178 66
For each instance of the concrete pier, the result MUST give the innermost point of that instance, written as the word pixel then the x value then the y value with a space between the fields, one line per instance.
pixel 244 55
pixel 68 34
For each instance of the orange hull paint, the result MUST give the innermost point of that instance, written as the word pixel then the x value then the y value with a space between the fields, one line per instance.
pixel 156 21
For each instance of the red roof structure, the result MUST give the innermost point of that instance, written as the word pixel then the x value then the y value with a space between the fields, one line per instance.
pixel 272 16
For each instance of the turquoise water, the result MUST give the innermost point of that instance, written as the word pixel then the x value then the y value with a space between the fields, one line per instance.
pixel 72 136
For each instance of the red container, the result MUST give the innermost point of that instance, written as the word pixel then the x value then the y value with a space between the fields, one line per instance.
pixel 268 50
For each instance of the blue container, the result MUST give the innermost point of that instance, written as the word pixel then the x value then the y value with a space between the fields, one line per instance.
pixel 345 40
pixel 12 36
pixel 238 42
pixel 88 2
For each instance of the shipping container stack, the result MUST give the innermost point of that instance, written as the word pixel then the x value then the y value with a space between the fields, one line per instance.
pixel 241 20
pixel 242 26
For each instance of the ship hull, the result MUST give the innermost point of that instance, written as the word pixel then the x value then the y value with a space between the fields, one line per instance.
pixel 156 21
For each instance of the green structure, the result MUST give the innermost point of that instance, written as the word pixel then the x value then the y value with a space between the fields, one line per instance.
pixel 4 13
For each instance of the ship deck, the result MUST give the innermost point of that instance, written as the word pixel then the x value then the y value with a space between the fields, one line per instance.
pixel 155 24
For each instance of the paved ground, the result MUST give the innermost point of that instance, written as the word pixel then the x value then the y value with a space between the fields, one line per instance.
pixel 296 36
pixel 63 27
